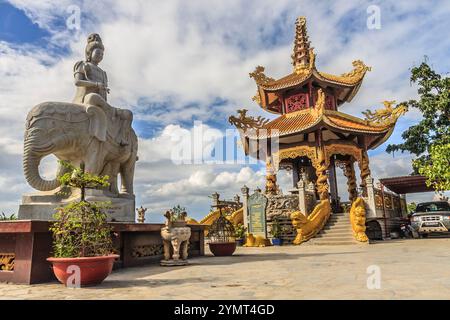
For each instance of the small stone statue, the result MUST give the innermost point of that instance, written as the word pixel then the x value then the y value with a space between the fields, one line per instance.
pixel 141 214
pixel 175 235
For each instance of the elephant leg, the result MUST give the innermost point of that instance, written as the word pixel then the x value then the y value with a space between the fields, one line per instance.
pixel 95 159
pixel 114 174
pixel 112 170
pixel 166 250
pixel 127 175
pixel 176 249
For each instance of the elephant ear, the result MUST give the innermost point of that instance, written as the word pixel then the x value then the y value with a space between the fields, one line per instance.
pixel 97 122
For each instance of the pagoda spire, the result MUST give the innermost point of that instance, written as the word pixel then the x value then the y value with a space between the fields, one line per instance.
pixel 301 54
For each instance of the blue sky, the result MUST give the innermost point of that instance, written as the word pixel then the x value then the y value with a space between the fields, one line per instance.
pixel 176 62
pixel 16 27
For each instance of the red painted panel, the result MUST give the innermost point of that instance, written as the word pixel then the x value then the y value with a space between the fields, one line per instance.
pixel 330 102
pixel 297 102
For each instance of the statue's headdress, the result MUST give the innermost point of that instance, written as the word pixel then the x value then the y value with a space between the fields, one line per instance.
pixel 93 42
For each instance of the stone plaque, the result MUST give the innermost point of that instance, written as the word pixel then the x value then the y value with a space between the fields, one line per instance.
pixel 257 204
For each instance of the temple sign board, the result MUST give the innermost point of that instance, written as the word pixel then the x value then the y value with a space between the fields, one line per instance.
pixel 256 214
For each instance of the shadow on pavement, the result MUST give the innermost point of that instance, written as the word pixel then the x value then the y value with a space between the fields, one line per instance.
pixel 255 257
pixel 147 283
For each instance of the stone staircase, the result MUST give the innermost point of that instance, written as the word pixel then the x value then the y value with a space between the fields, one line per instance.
pixel 337 231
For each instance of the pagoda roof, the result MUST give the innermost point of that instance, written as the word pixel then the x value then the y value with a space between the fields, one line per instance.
pixel 311 119
pixel 351 79
pixel 301 121
pixel 303 60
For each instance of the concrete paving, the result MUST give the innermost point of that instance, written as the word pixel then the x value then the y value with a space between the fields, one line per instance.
pixel 408 269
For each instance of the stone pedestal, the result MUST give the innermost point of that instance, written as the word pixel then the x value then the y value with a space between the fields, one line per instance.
pixel 302 205
pixel 371 207
pixel 42 205
pixel 245 196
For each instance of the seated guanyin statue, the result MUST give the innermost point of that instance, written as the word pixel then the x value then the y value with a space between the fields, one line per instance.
pixel 92 89
pixel 87 130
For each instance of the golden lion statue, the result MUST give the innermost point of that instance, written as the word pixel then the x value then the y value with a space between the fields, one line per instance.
pixel 258 241
pixel 271 184
pixel 358 220
pixel 308 227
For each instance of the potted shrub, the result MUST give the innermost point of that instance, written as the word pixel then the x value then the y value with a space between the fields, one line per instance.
pixel 221 235
pixel 275 232
pixel 4 217
pixel 239 234
pixel 82 244
pixel 178 216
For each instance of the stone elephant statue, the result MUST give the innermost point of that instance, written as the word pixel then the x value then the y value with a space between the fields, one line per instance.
pixel 79 133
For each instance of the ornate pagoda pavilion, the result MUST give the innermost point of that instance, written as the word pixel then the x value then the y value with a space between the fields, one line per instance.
pixel 311 136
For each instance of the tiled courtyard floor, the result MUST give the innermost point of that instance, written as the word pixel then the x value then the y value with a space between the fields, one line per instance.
pixel 409 269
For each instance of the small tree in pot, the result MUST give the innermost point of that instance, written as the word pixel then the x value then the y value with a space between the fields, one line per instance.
pixel 276 231
pixel 239 233
pixel 82 244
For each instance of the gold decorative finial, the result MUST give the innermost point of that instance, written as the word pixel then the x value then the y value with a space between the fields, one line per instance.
pixel 301 54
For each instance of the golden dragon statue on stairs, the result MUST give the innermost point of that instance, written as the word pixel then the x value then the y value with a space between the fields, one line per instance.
pixel 308 227
pixel 358 220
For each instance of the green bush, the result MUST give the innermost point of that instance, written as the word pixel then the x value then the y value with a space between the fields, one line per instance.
pixel 81 230
pixel 239 231
pixel 276 229
pixel 177 213
pixel 4 217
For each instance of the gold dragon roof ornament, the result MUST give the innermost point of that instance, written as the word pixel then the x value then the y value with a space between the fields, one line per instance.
pixel 244 122
pixel 385 116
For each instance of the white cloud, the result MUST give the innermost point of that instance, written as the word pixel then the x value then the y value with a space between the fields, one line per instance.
pixel 185 55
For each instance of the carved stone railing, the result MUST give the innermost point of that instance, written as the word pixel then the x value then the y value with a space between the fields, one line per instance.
pixel 234 204
pixel 383 203
pixel 280 206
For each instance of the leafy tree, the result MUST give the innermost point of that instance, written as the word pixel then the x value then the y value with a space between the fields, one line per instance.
pixel 80 228
pixel 437 167
pixel 78 178
pixel 429 140
pixel 4 217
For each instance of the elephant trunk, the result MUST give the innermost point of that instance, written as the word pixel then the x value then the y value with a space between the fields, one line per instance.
pixel 32 155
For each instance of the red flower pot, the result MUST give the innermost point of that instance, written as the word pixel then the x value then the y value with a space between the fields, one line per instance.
pixel 222 248
pixel 92 270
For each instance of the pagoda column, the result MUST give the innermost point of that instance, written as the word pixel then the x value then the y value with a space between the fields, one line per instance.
pixel 333 184
pixel 365 171
pixel 295 173
pixel 321 166
pixel 349 173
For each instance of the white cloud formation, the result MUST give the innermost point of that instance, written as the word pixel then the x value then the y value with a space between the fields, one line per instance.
pixel 169 61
